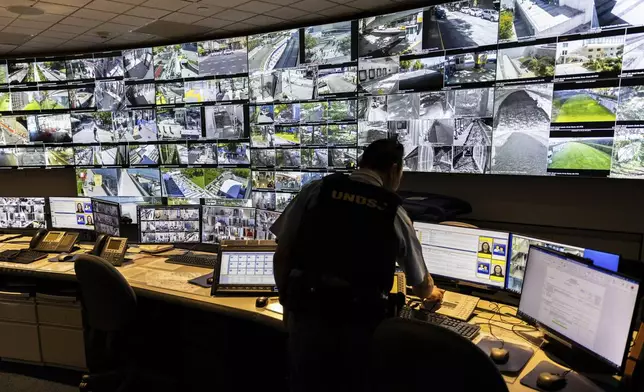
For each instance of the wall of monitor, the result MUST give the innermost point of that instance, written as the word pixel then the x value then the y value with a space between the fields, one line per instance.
pixel 467 87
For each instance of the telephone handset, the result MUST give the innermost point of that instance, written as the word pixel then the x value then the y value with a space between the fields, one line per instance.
pixel 53 241
pixel 111 249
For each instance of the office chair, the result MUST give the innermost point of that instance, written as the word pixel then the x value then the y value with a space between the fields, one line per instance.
pixel 409 355
pixel 109 309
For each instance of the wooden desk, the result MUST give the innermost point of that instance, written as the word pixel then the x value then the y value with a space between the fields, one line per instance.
pixel 151 276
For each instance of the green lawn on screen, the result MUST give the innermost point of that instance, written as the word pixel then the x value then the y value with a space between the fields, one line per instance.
pixel 580 156
pixel 581 108
pixel 33 105
pixel 198 179
pixel 51 104
pixel 5 104
pixel 290 136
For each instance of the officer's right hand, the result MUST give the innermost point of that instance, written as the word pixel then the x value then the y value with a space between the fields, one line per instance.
pixel 433 302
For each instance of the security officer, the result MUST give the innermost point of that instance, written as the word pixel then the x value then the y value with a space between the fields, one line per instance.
pixel 338 242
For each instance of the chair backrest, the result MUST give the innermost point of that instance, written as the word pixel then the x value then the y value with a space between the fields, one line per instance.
pixel 409 355
pixel 108 299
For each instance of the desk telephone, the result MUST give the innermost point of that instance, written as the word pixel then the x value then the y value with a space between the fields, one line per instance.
pixel 53 241
pixel 111 249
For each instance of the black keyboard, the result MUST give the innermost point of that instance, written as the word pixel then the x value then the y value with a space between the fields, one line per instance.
pixel 462 328
pixel 23 256
pixel 193 260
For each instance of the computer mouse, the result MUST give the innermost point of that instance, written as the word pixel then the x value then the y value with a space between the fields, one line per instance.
pixel 261 302
pixel 210 280
pixel 499 355
pixel 550 381
pixel 65 257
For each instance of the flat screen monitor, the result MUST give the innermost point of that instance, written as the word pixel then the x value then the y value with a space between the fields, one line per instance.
pixel 246 270
pixel 464 254
pixel 71 213
pixel 107 217
pixel 591 307
pixel 22 212
pixel 519 246
pixel 169 224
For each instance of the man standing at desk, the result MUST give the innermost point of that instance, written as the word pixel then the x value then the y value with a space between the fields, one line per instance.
pixel 338 242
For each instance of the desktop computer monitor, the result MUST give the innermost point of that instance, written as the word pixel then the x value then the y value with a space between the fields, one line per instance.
pixel 169 224
pixel 107 217
pixel 22 212
pixel 227 223
pixel 245 270
pixel 71 213
pixel 463 254
pixel 572 299
pixel 518 254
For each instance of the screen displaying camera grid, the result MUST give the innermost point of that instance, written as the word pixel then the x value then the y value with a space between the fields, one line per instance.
pixel 22 213
pixel 485 87
pixel 107 217
pixel 169 224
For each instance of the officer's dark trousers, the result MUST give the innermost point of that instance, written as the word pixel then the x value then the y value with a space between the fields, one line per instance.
pixel 329 353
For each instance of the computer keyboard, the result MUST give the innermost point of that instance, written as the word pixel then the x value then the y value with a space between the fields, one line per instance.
pixel 23 256
pixel 193 260
pixel 464 329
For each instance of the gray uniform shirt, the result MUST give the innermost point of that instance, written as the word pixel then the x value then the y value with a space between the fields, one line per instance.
pixel 410 255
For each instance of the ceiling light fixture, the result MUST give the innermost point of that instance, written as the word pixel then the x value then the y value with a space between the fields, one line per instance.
pixel 25 10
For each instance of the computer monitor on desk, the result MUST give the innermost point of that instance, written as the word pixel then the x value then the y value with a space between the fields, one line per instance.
pixel 22 213
pixel 107 217
pixel 71 213
pixel 245 270
pixel 169 224
pixel 464 255
pixel 577 302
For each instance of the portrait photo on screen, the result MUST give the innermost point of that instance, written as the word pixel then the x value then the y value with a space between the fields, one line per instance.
pixel 262 157
pixel 226 56
pixel 108 67
pixel 391 34
pixel 51 128
pixel 512 27
pixel 137 64
pixel 92 127
pixel 179 123
pixel 262 55
pixel 13 130
pixel 97 182
pixel 140 94
pixel 227 223
pixel 225 122
pixel 50 71
pixel 378 76
pixel 82 97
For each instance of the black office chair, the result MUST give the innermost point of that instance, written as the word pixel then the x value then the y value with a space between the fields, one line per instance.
pixel 409 355
pixel 109 309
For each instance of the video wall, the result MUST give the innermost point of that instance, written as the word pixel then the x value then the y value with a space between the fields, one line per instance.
pixel 517 87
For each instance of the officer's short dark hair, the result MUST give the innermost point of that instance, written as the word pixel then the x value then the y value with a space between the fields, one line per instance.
pixel 382 154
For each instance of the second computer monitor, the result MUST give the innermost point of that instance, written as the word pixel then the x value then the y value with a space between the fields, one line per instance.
pixel 71 213
pixel 107 217
pixel 589 306
pixel 464 254
pixel 22 213
pixel 169 224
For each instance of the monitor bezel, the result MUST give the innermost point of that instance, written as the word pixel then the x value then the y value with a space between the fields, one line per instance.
pixel 471 283
pixel 109 202
pixel 50 215
pixel 547 330
pixel 167 207
pixel 270 289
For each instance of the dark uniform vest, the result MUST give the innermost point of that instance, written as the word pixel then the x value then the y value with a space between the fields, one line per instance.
pixel 346 248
